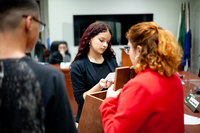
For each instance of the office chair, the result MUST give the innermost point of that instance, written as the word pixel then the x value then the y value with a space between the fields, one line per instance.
pixel 28 54
pixel 39 51
pixel 199 72
pixel 54 45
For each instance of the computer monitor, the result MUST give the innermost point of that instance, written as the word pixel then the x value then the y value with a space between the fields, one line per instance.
pixel 119 23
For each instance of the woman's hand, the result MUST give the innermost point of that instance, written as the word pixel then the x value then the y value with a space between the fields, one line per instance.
pixel 105 83
pixel 112 93
pixel 98 87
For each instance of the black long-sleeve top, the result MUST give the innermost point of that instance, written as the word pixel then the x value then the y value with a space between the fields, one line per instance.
pixel 84 77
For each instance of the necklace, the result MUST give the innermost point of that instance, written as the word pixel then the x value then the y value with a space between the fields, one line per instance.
pixel 98 61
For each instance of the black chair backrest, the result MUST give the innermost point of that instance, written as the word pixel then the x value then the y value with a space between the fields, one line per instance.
pixel 28 54
pixel 39 51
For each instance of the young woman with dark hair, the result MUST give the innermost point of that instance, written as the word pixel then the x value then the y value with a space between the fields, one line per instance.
pixel 94 61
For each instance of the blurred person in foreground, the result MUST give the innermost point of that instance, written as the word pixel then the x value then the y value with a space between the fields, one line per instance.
pixel 153 100
pixel 33 97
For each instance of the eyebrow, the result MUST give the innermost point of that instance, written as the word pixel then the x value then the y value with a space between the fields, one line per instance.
pixel 104 38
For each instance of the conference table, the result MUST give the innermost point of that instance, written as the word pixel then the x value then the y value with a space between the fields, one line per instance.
pixel 191 81
pixel 66 72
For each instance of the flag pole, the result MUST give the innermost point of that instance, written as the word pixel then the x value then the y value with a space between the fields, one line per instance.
pixel 184 16
pixel 189 32
pixel 179 34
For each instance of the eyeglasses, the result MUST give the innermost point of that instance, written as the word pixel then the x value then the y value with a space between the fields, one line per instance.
pixel 62 47
pixel 126 49
pixel 42 25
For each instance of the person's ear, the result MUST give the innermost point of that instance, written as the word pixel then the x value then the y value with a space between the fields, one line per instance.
pixel 28 22
pixel 139 49
pixel 90 40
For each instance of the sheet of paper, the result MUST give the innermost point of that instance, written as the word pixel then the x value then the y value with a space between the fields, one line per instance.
pixel 110 76
pixel 191 120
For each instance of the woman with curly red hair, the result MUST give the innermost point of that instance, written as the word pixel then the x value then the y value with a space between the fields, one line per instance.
pixel 94 61
pixel 153 100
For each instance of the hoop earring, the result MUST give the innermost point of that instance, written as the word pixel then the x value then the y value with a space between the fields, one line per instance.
pixel 89 43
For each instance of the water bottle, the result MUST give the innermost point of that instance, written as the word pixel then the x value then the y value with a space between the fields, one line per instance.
pixel 36 58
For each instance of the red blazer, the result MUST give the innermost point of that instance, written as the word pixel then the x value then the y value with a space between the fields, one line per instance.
pixel 148 103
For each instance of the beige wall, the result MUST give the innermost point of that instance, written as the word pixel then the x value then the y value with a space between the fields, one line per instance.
pixel 166 13
pixel 195 26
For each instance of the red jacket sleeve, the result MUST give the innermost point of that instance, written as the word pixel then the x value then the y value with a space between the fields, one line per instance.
pixel 127 114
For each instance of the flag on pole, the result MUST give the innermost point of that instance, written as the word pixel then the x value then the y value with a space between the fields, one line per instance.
pixel 186 52
pixel 187 43
pixel 181 38
pixel 179 25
